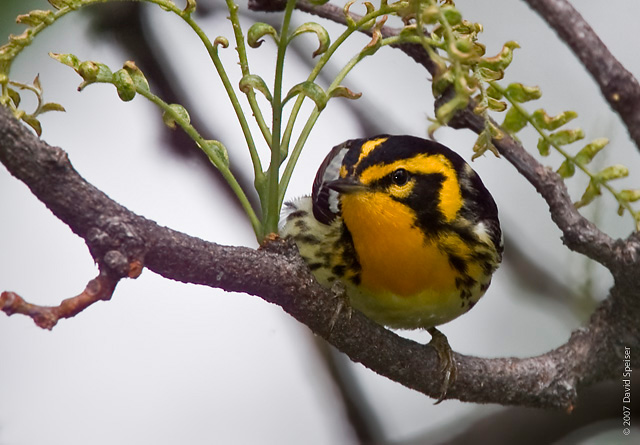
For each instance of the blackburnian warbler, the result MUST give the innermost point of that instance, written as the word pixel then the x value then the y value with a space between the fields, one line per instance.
pixel 406 226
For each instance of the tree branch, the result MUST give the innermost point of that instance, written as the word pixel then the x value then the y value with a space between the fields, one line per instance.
pixel 118 239
pixel 619 87
pixel 277 274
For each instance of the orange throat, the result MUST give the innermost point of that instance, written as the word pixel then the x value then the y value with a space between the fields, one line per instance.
pixel 394 255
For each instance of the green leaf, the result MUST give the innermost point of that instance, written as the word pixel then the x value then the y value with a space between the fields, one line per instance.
pixel 501 60
pixel 252 81
pixel 485 141
pixel 496 105
pixel 51 106
pixel 462 49
pixel 480 106
pixel 21 40
pixel 445 112
pixel 323 36
pixel 347 15
pixel 37 84
pixel 124 85
pixel 441 81
pixel 482 144
pixel 92 72
pixel 546 122
pixel 216 152
pixel 89 71
pixel 182 114
pixel 59 4
pixel 166 7
pixel 613 172
pixel 567 169
pixel 341 91
pixel 14 96
pixel 469 28
pixel 258 31
pixel 451 15
pixel 190 7
pixel 489 75
pixel 587 154
pixel 543 146
pixel 36 17
pixel 376 39
pixel 630 195
pixel 564 137
pixel 520 93
pixel 430 14
pixel 222 41
pixel 67 59
pixel 33 123
pixel 310 89
pixel 514 121
pixel 139 80
pixel 494 93
pixel 593 190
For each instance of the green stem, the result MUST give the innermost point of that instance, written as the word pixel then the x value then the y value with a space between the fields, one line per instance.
pixel 213 54
pixel 244 66
pixel 295 154
pixel 286 138
pixel 272 207
pixel 321 64
pixel 215 160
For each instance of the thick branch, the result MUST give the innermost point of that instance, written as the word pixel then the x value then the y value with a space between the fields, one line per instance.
pixel 619 86
pixel 277 274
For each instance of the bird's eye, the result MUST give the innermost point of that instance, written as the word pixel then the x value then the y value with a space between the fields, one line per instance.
pixel 400 176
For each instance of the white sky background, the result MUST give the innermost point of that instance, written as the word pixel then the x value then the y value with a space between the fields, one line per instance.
pixel 168 363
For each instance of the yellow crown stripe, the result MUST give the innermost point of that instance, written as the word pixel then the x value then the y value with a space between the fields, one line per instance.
pixel 367 148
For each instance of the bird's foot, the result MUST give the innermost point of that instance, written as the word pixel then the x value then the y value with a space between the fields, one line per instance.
pixel 447 364
pixel 342 304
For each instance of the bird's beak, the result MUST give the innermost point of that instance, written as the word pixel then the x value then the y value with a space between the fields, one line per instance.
pixel 346 185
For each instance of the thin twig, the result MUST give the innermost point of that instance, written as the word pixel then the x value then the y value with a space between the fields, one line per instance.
pixel 619 87
pixel 46 317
